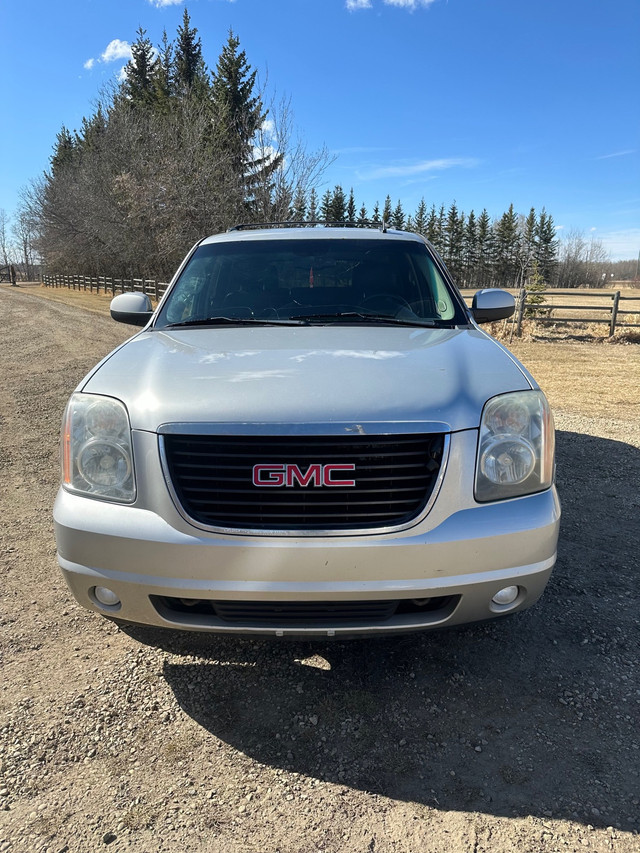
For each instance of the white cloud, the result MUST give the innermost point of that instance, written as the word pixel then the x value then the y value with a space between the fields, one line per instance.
pixel 160 3
pixel 409 169
pixel 617 154
pixel 353 5
pixel 116 49
pixel 409 4
pixel 89 64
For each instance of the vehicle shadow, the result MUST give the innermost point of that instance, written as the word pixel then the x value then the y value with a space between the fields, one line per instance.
pixel 532 715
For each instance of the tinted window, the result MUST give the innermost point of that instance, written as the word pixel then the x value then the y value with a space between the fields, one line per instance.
pixel 292 278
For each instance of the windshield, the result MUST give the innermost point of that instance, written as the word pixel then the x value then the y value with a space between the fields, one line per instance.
pixel 324 281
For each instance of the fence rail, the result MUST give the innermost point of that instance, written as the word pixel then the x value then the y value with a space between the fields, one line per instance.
pixel 107 284
pixel 555 305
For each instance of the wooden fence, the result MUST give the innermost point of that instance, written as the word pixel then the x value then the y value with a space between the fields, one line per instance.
pixel 107 284
pixel 575 306
pixel 558 306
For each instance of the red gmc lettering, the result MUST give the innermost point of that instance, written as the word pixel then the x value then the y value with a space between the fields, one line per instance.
pixel 328 470
pixel 268 475
pixel 313 474
pixel 289 475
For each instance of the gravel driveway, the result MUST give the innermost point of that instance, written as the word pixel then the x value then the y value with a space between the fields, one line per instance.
pixel 515 735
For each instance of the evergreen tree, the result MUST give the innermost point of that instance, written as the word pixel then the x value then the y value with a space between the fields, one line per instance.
pixel 433 232
pixel 63 152
pixel 387 211
pixel 325 206
pixel 239 115
pixel 313 206
pixel 138 85
pixel 162 78
pixel 351 208
pixel 535 287
pixel 485 250
pixel 420 219
pixel 454 240
pixel 375 217
pixel 189 70
pixel 546 253
pixel 527 244
pixel 507 246
pixel 470 250
pixel 299 207
pixel 397 217
pixel 362 217
pixel 338 205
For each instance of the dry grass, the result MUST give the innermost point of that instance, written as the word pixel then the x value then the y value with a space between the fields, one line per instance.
pixel 576 376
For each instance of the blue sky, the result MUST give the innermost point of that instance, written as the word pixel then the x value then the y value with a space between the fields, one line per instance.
pixel 485 102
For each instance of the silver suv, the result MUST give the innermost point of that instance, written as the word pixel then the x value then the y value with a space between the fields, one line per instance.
pixel 310 436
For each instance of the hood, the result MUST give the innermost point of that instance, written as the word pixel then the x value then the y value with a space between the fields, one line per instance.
pixel 437 379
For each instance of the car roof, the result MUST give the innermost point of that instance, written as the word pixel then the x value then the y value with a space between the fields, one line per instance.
pixel 245 233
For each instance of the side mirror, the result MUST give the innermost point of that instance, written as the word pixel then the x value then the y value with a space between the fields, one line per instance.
pixel 492 304
pixel 132 308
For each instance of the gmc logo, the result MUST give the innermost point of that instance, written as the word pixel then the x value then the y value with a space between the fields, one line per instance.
pixel 315 475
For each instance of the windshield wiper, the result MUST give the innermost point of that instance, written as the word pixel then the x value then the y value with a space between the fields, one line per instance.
pixel 236 321
pixel 382 319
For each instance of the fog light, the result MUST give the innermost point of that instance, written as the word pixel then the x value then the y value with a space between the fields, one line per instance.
pixel 106 596
pixel 506 596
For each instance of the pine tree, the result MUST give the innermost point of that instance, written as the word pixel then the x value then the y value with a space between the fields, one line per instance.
pixel 139 72
pixel 338 205
pixel 325 206
pixel 507 248
pixel 397 217
pixel 387 211
pixel 239 115
pixel 162 78
pixel 454 240
pixel 420 219
pixel 433 232
pixel 362 217
pixel 299 207
pixel 189 70
pixel 485 250
pixel 535 287
pixel 375 217
pixel 313 206
pixel 546 253
pixel 470 250
pixel 351 208
pixel 527 245
pixel 63 152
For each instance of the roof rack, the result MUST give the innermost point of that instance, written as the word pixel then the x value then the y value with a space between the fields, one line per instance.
pixel 315 223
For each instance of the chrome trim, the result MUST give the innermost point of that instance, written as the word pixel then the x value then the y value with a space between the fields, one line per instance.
pixel 328 428
pixel 319 534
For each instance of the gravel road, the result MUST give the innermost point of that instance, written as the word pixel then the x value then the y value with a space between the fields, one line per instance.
pixel 516 735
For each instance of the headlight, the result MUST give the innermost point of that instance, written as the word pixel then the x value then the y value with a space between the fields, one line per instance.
pixel 97 459
pixel 515 446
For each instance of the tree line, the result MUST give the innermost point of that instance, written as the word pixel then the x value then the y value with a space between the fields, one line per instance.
pixel 175 151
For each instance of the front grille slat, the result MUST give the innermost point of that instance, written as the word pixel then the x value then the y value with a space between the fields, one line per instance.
pixel 212 476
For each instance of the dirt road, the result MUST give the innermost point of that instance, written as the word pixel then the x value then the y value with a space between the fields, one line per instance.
pixel 516 735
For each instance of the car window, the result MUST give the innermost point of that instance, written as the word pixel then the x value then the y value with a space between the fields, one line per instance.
pixel 281 279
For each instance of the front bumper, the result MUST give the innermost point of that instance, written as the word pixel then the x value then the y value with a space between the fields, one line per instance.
pixel 462 557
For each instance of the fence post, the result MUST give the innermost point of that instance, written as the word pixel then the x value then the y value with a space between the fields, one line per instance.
pixel 155 286
pixel 614 312
pixel 521 306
